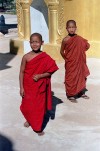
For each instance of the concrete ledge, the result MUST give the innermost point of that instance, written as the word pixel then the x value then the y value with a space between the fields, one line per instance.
pixel 53 51
pixel 19 46
pixel 94 50
pixel 16 46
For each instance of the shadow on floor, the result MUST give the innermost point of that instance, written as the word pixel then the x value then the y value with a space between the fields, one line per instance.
pixel 5 58
pixel 5 144
pixel 51 114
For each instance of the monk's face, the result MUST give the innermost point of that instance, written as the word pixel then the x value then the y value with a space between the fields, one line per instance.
pixel 71 28
pixel 35 43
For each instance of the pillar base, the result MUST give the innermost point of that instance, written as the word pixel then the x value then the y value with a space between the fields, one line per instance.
pixel 19 46
pixel 53 50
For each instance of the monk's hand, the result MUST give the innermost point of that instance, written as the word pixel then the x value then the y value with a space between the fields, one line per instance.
pixel 22 93
pixel 36 77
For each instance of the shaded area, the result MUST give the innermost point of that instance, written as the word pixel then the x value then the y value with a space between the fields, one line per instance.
pixel 4 27
pixel 79 95
pixel 13 49
pixel 5 144
pixel 5 58
pixel 51 114
pixel 7 5
pixel 41 6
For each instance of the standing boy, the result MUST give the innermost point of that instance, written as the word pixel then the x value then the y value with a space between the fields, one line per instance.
pixel 73 50
pixel 35 85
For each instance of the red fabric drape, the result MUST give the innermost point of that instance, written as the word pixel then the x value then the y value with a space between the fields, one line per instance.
pixel 37 94
pixel 76 69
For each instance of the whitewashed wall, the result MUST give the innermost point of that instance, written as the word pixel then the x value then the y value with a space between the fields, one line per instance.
pixel 39 19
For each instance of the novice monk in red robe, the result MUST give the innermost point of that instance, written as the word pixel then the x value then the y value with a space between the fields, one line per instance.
pixel 73 50
pixel 35 85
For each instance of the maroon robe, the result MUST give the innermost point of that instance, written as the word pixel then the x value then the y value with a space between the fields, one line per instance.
pixel 37 97
pixel 76 69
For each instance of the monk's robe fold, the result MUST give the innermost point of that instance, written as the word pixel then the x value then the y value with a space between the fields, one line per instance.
pixel 76 69
pixel 37 97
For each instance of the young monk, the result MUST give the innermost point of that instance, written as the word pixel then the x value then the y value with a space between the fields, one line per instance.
pixel 35 84
pixel 73 50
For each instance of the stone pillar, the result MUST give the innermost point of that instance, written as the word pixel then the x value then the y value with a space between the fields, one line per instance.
pixel 26 18
pixel 53 48
pixel 53 19
pixel 21 44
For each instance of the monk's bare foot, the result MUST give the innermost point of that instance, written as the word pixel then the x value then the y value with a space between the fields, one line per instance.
pixel 26 124
pixel 41 134
pixel 72 99
pixel 85 96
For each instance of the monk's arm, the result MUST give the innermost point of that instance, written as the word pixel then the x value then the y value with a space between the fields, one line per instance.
pixel 62 49
pixel 21 75
pixel 45 75
pixel 40 76
pixel 87 46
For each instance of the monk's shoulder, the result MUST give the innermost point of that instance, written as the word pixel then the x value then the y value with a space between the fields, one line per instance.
pixel 80 37
pixel 48 57
pixel 66 39
pixel 27 56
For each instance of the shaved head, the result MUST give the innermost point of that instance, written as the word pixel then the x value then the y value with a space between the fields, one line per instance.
pixel 38 35
pixel 70 21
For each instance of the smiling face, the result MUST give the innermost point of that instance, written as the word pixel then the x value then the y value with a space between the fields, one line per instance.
pixel 35 42
pixel 71 27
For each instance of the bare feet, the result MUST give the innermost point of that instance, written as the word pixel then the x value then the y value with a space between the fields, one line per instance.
pixel 85 96
pixel 26 124
pixel 41 134
pixel 72 99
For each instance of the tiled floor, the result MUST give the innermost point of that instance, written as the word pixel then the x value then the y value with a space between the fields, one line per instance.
pixel 76 126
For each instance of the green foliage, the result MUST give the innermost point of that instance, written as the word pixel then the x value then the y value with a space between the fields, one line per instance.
pixel 8 5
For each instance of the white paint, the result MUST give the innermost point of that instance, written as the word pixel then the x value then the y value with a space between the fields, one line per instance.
pixel 38 24
pixel 38 21
pixel 27 47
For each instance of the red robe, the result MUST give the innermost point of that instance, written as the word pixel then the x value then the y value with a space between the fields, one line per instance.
pixel 76 69
pixel 37 97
